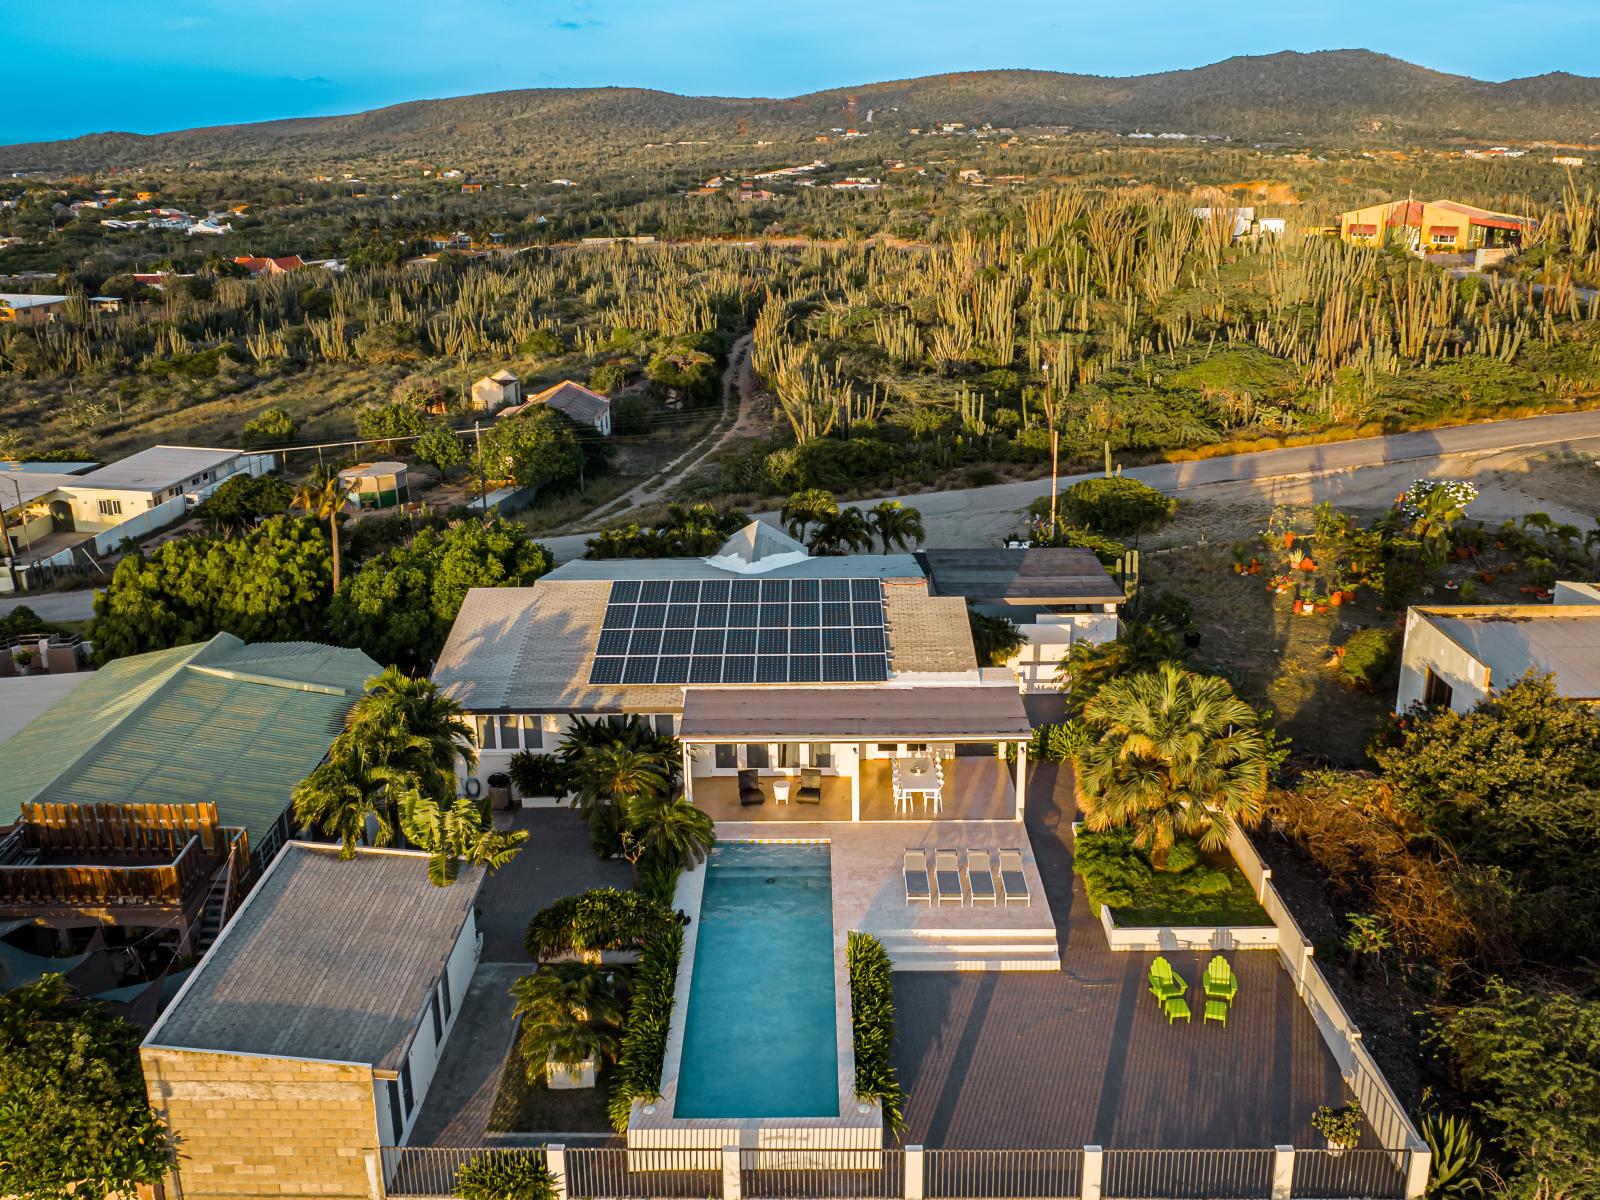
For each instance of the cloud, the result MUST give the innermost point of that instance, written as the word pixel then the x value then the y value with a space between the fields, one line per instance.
pixel 571 24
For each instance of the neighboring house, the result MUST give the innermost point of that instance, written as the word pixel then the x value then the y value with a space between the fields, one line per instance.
pixel 20 308
pixel 577 402
pixel 1456 655
pixel 1438 225
pixel 51 518
pixel 214 722
pixel 1057 596
pixel 269 266
pixel 784 662
pixel 496 391
pixel 307 1038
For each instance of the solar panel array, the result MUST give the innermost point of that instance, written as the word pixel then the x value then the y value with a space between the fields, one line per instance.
pixel 743 631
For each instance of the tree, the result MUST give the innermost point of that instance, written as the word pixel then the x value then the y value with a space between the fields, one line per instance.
pixel 994 639
pixel 389 342
pixel 608 765
pixel 243 501
pixel 806 508
pixel 695 531
pixel 270 427
pixel 441 448
pixel 269 585
pixel 1141 646
pixel 688 374
pixel 391 421
pixel 339 799
pixel 842 532
pixel 1174 753
pixel 669 827
pixel 419 391
pixel 570 1013
pixel 1117 506
pixel 533 447
pixel 457 835
pixel 75 1123
pixel 324 500
pixel 897 527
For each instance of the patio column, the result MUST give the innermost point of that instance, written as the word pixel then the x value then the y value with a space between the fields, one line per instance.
pixel 688 779
pixel 1022 779
pixel 555 1158
pixel 855 784
pixel 1282 1172
pixel 1094 1165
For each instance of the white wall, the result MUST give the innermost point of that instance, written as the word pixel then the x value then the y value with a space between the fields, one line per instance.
pixel 1427 648
pixel 425 1051
pixel 1576 593
pixel 1050 640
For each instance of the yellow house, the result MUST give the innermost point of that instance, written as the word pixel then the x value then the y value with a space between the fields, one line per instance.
pixel 1437 226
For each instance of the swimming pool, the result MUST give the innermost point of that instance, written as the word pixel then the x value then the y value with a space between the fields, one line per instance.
pixel 759 1029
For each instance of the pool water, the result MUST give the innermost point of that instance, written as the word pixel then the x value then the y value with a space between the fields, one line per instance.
pixel 759 1031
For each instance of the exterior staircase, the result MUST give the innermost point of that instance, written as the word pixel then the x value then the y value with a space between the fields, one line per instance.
pixel 973 949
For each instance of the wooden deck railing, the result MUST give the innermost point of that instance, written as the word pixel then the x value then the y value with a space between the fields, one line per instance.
pixel 92 886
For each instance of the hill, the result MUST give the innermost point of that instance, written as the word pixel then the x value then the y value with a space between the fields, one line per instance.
pixel 1347 97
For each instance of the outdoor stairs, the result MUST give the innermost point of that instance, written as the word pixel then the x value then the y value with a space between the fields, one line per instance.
pixel 947 949
pixel 211 914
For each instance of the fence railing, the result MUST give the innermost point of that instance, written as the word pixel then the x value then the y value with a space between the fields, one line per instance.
pixel 794 1173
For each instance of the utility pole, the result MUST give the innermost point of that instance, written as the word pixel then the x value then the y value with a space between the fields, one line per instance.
pixel 483 484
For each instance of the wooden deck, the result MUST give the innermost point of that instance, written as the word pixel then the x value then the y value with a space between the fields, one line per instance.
pixel 975 789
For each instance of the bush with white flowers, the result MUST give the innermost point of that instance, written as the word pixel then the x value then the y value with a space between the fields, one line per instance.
pixel 1459 492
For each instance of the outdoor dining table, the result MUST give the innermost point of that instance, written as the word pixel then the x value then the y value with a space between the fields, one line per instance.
pixel 919 775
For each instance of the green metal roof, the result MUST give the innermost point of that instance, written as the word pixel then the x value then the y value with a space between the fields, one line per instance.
pixel 221 721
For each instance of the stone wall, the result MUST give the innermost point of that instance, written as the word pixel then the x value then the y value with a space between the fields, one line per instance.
pixel 248 1126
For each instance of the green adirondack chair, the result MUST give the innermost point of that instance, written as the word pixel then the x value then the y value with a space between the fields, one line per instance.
pixel 1220 981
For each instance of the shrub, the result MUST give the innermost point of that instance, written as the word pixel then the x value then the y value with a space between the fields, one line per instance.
pixel 1188 890
pixel 644 1037
pixel 1116 506
pixel 539 774
pixel 506 1175
pixel 1341 1126
pixel 270 427
pixel 601 919
pixel 658 878
pixel 1057 743
pixel 1369 657
pixel 1175 609
pixel 872 1026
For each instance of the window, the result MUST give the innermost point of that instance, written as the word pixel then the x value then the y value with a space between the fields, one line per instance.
pixel 438 1019
pixel 396 1117
pixel 888 747
pixel 406 1098
pixel 727 757
pixel 916 747
pixel 532 732
pixel 508 731
pixel 822 755
pixel 486 733
pixel 788 754
pixel 444 990
pixel 1436 693
pixel 664 724
pixel 110 508
pixel 756 754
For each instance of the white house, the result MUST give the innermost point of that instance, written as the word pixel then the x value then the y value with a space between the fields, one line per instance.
pixel 577 402
pixel 496 391
pixel 1456 655
pixel 306 1039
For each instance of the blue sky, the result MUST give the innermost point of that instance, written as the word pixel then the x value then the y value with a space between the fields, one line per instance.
pixel 99 65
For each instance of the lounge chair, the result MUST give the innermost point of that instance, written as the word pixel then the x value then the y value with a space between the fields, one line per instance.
pixel 810 789
pixel 916 873
pixel 980 879
pixel 1013 883
pixel 750 792
pixel 947 877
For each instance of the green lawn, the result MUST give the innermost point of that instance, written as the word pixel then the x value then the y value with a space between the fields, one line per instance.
pixel 524 1107
pixel 1165 904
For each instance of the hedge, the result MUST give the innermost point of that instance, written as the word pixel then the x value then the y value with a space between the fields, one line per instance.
pixel 644 1037
pixel 872 1022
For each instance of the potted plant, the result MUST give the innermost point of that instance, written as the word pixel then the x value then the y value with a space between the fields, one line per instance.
pixel 24 660
pixel 1341 1126
pixel 1320 604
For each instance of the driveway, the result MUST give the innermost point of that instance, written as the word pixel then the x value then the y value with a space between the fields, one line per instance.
pixel 53 606
pixel 982 516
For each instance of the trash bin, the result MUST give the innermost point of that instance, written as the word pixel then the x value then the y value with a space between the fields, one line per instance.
pixel 499 790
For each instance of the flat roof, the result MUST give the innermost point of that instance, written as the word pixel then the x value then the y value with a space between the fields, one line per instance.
pixel 21 488
pixel 326 959
pixel 898 712
pixel 158 468
pixel 28 299
pixel 1059 574
pixel 1512 639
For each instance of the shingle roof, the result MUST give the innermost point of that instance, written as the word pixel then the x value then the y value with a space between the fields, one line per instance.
pixel 326 959
pixel 573 399
pixel 858 713
pixel 220 721
pixel 927 633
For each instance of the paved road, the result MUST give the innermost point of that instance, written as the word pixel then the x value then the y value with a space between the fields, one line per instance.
pixel 54 606
pixel 976 516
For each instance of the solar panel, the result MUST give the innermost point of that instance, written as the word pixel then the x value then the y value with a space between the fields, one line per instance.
pixel 742 631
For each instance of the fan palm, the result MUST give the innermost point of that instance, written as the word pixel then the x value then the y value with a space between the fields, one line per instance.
pixel 670 828
pixel 897 527
pixel 1176 752
pixel 570 1013
pixel 457 835
pixel 1140 646
pixel 324 499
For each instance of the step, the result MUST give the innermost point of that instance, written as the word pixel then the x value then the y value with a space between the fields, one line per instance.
pixel 1012 961
pixel 925 936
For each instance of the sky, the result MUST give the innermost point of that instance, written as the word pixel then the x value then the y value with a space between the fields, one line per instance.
pixel 99 65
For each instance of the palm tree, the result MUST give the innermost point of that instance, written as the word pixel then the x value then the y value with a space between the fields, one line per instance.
pixel 1174 752
pixel 842 532
pixel 808 507
pixel 461 834
pixel 612 776
pixel 670 827
pixel 339 800
pixel 411 723
pixel 324 499
pixel 1141 646
pixel 994 639
pixel 570 1013
pixel 897 526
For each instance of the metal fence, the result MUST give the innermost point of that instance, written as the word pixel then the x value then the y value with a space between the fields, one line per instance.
pixel 786 1174
pixel 993 1174
pixel 431 1170
pixel 1349 1175
pixel 1187 1175
pixel 615 1173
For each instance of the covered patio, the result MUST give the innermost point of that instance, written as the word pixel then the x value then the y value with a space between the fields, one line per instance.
pixel 897 753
